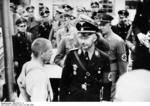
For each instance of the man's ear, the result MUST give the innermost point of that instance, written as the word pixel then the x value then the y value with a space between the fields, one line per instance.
pixel 95 37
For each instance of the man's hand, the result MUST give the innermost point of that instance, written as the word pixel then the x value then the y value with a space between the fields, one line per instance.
pixel 144 39
pixel 112 76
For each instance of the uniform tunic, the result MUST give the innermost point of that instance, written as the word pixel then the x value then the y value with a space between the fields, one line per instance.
pixel 78 84
pixel 118 60
pixel 122 31
pixel 117 54
pixel 21 49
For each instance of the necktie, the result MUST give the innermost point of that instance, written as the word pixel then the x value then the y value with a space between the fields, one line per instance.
pixel 86 56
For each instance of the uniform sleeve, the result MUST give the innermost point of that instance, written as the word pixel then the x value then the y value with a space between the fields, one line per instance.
pixel 39 89
pixel 121 57
pixel 66 78
pixel 61 52
pixel 58 37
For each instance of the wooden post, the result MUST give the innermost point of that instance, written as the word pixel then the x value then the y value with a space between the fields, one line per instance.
pixel 8 49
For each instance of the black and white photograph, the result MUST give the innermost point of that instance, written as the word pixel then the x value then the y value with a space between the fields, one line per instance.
pixel 74 51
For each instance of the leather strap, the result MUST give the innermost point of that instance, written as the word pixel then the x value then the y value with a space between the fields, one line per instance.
pixel 77 57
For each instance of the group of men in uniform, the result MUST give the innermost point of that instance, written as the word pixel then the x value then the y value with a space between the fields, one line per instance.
pixel 89 72
pixel 84 67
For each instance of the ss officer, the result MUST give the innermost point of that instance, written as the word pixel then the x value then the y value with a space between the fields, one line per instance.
pixel 21 46
pixel 84 68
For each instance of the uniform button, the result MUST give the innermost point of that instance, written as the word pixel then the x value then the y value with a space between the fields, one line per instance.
pixel 86 58
pixel 85 77
pixel 74 72
pixel 99 72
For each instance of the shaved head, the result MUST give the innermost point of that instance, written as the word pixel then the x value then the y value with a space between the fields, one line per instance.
pixel 133 86
pixel 40 45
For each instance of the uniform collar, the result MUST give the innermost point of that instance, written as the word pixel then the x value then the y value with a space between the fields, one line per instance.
pixel 96 52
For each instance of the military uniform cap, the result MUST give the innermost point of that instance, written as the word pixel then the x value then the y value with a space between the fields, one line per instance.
pixel 105 18
pixel 98 15
pixel 80 9
pixel 101 11
pixel 67 15
pixel 67 7
pixel 72 17
pixel 60 10
pixel 123 12
pixel 94 4
pixel 44 11
pixel 30 8
pixel 20 20
pixel 86 25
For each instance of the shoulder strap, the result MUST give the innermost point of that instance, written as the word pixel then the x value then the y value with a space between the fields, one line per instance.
pixel 79 61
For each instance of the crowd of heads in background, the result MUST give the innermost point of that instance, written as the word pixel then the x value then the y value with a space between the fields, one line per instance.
pixel 44 11
pixel 63 14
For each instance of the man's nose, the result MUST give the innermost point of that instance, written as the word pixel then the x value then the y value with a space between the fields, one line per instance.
pixel 82 41
pixel 100 27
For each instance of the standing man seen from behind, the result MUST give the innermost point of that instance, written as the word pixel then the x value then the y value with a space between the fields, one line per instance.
pixel 84 68
pixel 141 28
pixel 117 52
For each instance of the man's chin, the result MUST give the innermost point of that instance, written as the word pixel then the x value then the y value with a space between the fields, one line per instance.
pixel 85 48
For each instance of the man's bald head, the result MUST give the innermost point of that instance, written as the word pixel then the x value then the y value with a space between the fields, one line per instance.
pixel 133 86
pixel 40 45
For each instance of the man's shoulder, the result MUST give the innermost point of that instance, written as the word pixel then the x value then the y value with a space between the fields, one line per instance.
pixel 101 53
pixel 117 38
pixel 73 50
